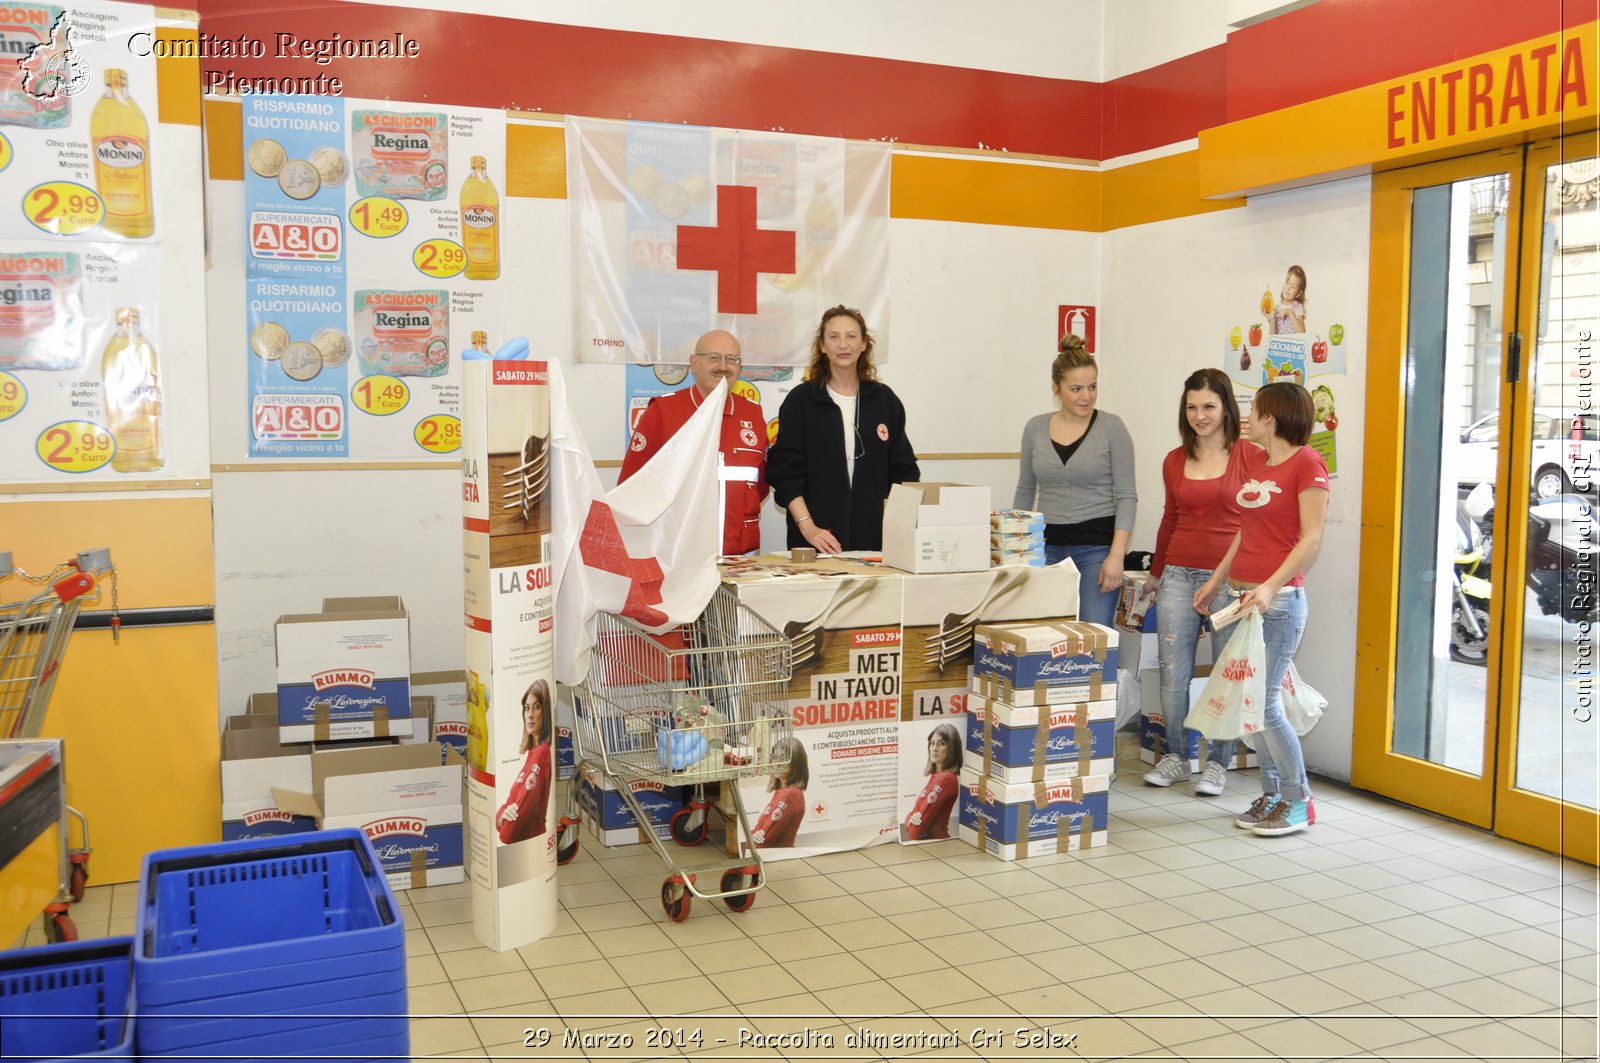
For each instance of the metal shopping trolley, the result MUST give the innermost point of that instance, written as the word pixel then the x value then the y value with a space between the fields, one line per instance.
pixel 693 706
pixel 33 792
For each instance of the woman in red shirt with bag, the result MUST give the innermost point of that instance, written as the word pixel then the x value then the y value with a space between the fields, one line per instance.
pixel 1202 476
pixel 1282 508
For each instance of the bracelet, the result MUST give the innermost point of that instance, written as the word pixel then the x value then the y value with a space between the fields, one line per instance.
pixel 802 520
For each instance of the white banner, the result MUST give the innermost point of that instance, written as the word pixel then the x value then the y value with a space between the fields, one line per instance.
pixel 645 550
pixel 677 230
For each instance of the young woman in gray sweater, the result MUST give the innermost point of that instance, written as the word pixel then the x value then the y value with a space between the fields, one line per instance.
pixel 1077 468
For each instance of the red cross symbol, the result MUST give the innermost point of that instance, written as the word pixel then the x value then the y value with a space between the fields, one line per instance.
pixel 602 548
pixel 736 249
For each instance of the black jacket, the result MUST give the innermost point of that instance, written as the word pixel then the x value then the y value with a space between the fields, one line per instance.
pixel 808 461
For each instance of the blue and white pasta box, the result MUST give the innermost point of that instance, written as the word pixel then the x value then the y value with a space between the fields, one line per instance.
pixel 345 672
pixel 401 797
pixel 253 762
pixel 1016 820
pixel 608 811
pixel 1045 662
pixel 448 689
pixel 1032 743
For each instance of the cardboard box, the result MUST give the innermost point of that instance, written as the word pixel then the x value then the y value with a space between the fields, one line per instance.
pixel 1045 663
pixel 936 527
pixel 407 803
pixel 1014 822
pixel 422 710
pixel 345 672
pixel 448 689
pixel 609 808
pixel 253 763
pixel 1016 522
pixel 1032 743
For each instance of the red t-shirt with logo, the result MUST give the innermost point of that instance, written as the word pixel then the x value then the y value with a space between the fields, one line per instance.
pixel 1269 512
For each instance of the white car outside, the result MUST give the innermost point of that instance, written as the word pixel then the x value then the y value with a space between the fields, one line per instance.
pixel 1566 450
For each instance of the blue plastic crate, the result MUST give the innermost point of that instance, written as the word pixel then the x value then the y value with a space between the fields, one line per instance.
pixel 177 994
pixel 237 908
pixel 177 1028
pixel 68 1001
pixel 320 1040
pixel 276 999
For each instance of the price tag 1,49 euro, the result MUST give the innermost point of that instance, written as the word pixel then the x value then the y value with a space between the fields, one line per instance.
pixel 439 258
pixel 439 434
pixel 378 217
pixel 380 395
pixel 64 208
pixel 75 446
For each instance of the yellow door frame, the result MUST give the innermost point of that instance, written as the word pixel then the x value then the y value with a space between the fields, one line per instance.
pixel 1487 797
pixel 1549 823
pixel 1374 766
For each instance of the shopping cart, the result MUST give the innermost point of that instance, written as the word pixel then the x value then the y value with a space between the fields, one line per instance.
pixel 693 706
pixel 33 639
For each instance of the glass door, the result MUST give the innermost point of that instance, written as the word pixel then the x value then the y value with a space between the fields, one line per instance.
pixel 1475 602
pixel 1548 777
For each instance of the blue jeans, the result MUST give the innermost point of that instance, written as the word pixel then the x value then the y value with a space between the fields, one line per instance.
pixel 1283 765
pixel 1093 606
pixel 1179 628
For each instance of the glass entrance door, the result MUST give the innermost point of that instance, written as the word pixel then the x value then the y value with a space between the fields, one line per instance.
pixel 1476 604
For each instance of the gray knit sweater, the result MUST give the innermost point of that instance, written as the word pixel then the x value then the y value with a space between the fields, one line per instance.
pixel 1097 482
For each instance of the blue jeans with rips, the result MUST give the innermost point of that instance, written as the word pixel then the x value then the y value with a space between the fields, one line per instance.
pixel 1283 764
pixel 1094 606
pixel 1178 627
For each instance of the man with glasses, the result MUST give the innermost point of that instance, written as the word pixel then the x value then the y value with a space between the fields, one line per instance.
pixel 743 469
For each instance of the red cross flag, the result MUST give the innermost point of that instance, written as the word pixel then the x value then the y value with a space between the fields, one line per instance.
pixel 646 549
pixel 678 230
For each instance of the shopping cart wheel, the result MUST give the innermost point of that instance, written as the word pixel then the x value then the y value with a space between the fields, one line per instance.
pixel 737 879
pixel 689 825
pixel 59 927
pixel 80 875
pixel 566 840
pixel 675 898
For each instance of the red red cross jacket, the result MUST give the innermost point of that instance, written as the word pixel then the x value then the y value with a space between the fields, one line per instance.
pixel 744 458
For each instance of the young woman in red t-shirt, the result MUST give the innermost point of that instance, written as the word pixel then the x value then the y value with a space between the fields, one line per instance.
pixel 930 816
pixel 523 814
pixel 1282 508
pixel 780 822
pixel 1197 528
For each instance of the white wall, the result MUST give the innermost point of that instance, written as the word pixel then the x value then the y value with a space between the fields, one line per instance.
pixel 1175 288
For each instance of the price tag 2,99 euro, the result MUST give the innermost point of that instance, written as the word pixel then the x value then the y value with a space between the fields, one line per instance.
pixel 75 446
pixel 64 208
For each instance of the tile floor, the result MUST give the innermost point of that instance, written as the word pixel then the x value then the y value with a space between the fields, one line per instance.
pixel 1382 933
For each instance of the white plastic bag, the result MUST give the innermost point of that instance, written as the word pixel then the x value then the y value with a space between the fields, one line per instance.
pixel 1301 703
pixel 1231 702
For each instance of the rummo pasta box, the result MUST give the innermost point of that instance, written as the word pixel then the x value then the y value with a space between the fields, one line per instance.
pixel 1045 663
pixel 400 797
pixel 1017 820
pixel 1032 743
pixel 345 672
pixel 607 813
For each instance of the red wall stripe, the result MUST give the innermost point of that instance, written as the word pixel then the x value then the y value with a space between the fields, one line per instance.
pixel 1337 45
pixel 1165 104
pixel 485 61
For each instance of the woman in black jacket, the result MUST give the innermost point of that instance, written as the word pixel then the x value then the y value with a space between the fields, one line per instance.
pixel 841 443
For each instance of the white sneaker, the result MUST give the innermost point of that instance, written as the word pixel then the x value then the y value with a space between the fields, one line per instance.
pixel 1171 769
pixel 1213 780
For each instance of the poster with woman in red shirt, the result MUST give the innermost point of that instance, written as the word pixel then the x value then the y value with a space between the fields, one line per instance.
pixel 523 814
pixel 780 821
pixel 929 818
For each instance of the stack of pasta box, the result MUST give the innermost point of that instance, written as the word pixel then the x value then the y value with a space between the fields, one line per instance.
pixel 1041 737
pixel 1016 537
